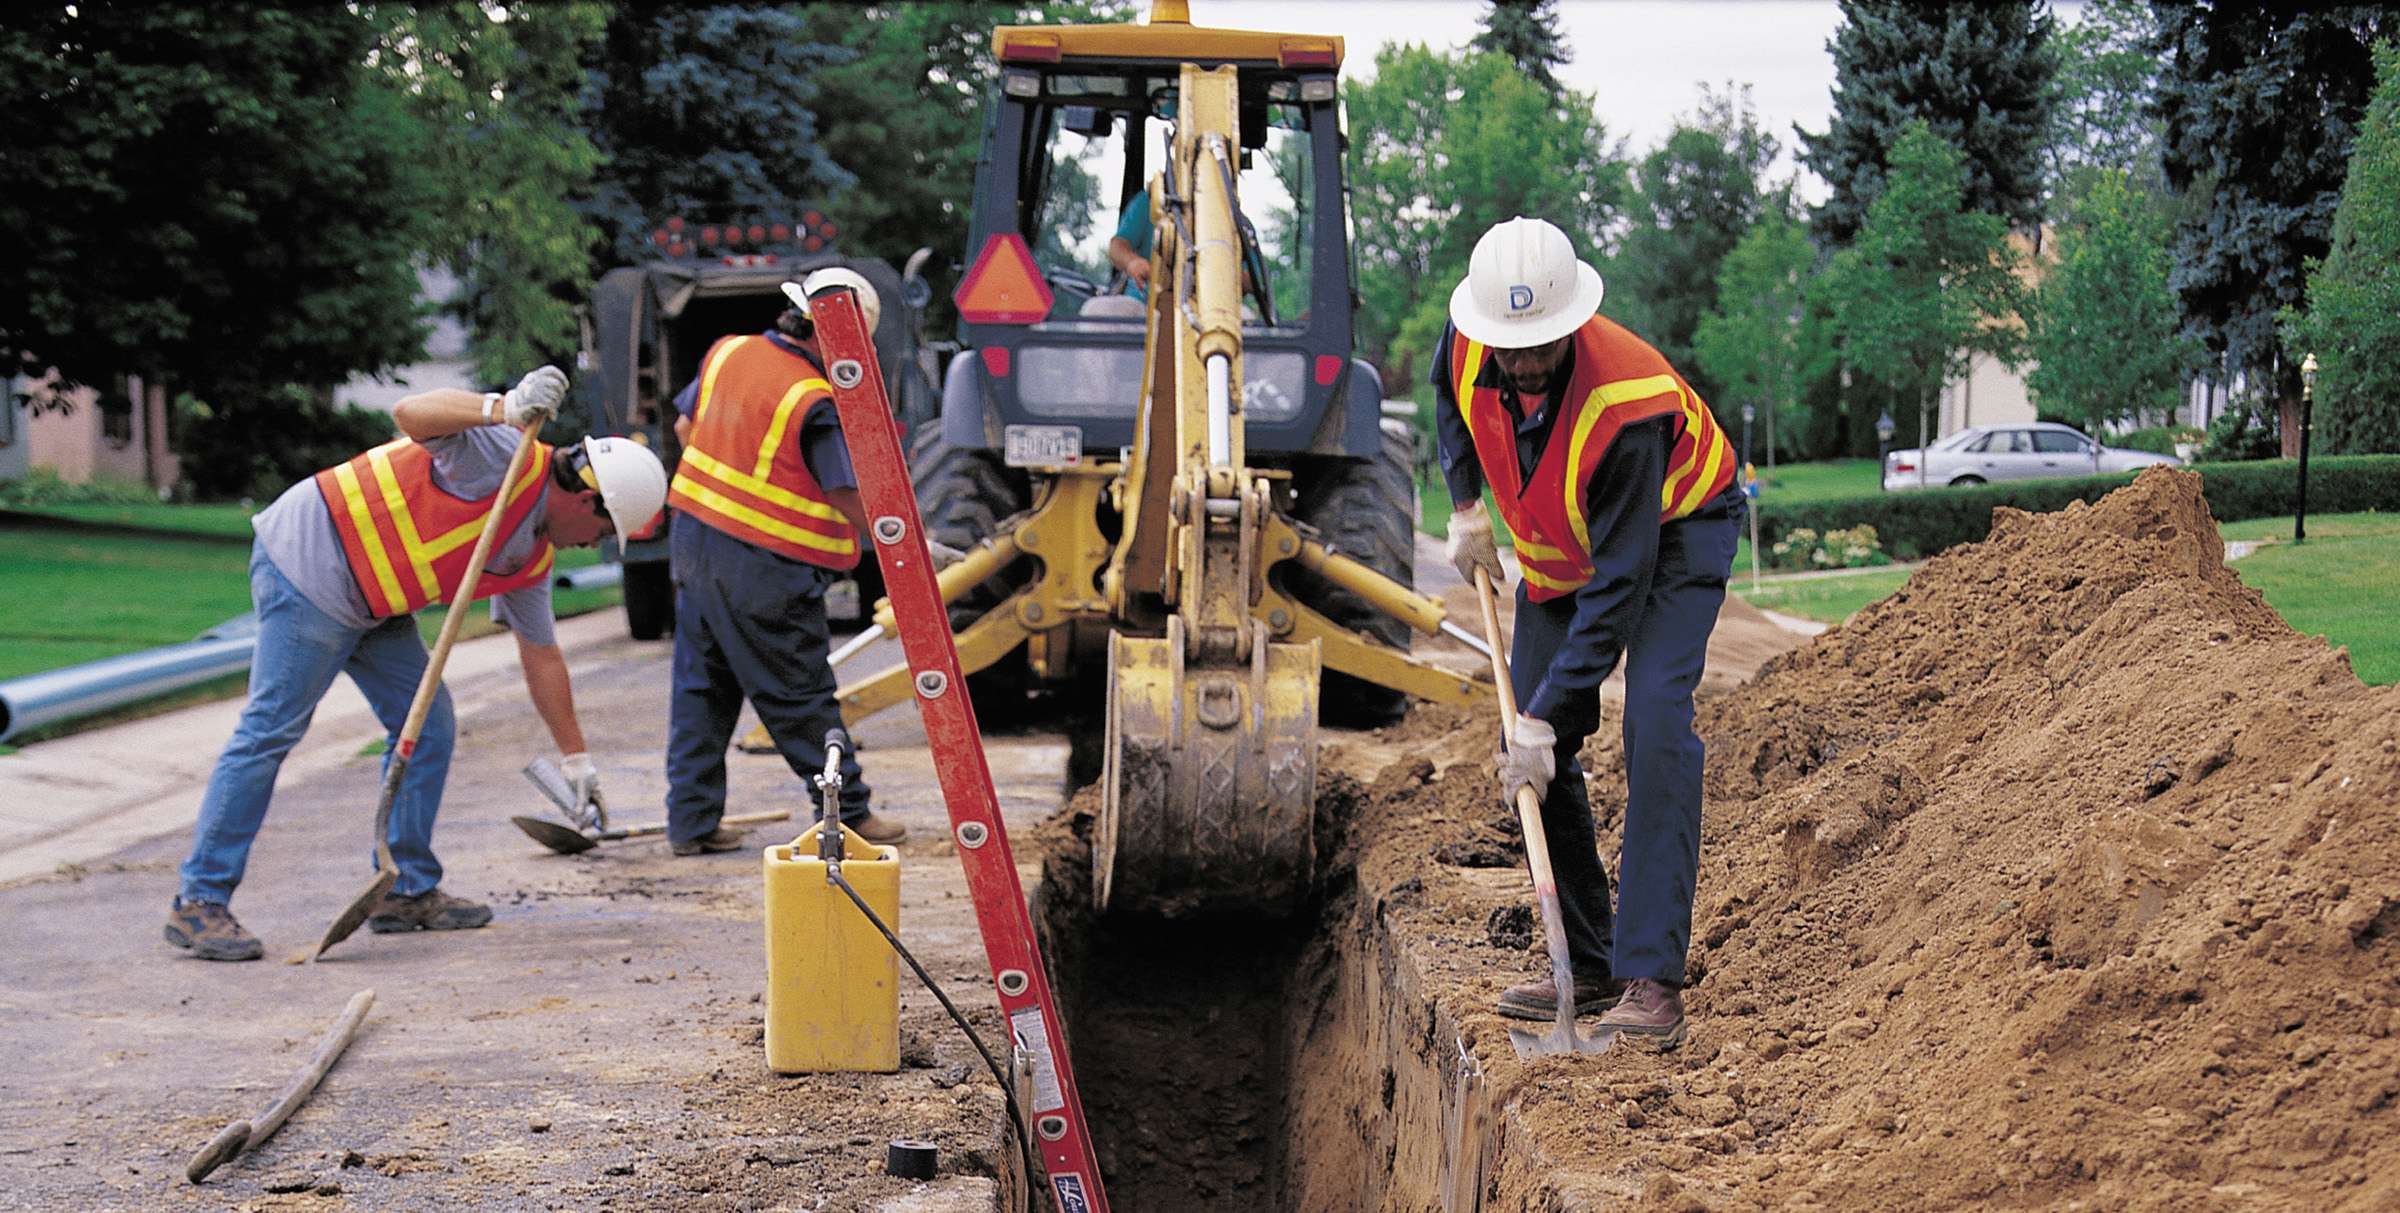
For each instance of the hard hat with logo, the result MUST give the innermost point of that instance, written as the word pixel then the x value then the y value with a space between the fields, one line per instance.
pixel 1524 287
pixel 870 304
pixel 631 481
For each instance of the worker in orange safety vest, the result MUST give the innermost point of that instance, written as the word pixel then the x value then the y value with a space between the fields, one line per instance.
pixel 1616 486
pixel 767 518
pixel 341 562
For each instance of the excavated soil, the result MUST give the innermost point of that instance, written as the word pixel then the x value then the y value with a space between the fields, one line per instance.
pixel 2066 877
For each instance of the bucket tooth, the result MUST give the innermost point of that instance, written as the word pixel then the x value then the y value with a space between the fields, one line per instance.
pixel 1208 781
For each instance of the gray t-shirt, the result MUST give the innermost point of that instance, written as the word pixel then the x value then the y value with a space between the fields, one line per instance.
pixel 296 532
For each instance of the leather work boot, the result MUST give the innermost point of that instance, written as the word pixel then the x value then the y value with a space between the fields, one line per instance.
pixel 878 829
pixel 207 930
pixel 714 842
pixel 431 910
pixel 1539 999
pixel 1650 1013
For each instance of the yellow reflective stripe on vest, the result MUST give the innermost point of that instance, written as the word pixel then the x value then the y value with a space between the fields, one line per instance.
pixel 1466 384
pixel 699 460
pixel 783 421
pixel 1535 576
pixel 397 504
pixel 1704 430
pixel 354 499
pixel 773 526
pixel 708 374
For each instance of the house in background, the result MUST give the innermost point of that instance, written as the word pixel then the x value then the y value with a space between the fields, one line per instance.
pixel 119 433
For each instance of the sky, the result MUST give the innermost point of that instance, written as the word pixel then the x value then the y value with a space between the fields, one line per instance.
pixel 1643 60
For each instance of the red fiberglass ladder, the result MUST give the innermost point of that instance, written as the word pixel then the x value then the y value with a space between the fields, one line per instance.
pixel 1059 1133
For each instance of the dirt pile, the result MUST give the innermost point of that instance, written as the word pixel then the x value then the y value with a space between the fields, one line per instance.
pixel 2069 876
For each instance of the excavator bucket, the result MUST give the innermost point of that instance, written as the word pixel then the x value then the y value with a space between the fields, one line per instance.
pixel 1209 783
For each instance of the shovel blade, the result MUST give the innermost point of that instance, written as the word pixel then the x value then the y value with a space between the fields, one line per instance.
pixel 555 836
pixel 356 912
pixel 1558 1040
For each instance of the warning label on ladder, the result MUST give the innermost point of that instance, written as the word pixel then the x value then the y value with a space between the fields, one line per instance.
pixel 1033 1042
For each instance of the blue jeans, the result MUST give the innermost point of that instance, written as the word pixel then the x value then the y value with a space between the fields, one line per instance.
pixel 749 624
pixel 1651 931
pixel 300 649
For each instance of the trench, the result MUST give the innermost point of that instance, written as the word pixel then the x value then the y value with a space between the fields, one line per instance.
pixel 1291 1065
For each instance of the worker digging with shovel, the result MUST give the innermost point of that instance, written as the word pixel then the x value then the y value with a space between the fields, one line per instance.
pixel 342 561
pixel 1617 489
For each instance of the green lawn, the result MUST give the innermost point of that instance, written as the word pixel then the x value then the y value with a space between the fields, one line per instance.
pixel 228 519
pixel 2339 585
pixel 68 597
pixel 1824 599
pixel 1793 483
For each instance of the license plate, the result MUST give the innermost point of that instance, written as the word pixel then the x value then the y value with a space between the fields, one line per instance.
pixel 1042 446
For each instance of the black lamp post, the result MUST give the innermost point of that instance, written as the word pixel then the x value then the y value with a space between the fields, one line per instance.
pixel 2308 395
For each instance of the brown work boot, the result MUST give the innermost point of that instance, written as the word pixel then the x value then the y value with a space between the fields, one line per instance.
pixel 1539 999
pixel 431 910
pixel 877 829
pixel 714 842
pixel 207 930
pixel 1650 1013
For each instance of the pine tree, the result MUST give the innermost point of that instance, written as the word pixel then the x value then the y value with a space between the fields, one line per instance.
pixel 1526 33
pixel 2353 318
pixel 2261 104
pixel 1977 74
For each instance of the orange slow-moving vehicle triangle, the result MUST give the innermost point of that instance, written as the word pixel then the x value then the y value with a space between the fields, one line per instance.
pixel 1005 286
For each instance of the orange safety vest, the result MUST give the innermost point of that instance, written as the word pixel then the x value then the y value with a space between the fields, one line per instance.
pixel 742 473
pixel 408 540
pixel 1618 380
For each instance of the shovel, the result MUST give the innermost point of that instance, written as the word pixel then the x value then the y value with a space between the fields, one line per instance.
pixel 1562 1036
pixel 396 763
pixel 575 842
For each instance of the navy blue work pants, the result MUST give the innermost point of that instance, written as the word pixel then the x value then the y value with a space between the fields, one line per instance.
pixel 1660 861
pixel 749 624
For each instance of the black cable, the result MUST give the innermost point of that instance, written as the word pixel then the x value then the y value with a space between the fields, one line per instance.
pixel 1008 1089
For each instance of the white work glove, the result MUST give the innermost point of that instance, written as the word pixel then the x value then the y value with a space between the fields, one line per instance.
pixel 583 787
pixel 535 398
pixel 943 554
pixel 1530 761
pixel 1471 546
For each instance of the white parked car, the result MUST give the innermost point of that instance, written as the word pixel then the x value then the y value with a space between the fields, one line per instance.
pixel 2027 451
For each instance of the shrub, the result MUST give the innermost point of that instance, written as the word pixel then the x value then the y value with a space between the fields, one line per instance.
pixel 2236 435
pixel 41 486
pixel 2158 439
pixel 1913 525
pixel 1803 549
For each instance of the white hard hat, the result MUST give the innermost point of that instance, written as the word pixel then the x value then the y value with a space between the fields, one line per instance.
pixel 633 484
pixel 1524 287
pixel 869 303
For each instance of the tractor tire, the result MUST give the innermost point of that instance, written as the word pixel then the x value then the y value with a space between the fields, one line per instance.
pixel 649 599
pixel 1365 509
pixel 963 496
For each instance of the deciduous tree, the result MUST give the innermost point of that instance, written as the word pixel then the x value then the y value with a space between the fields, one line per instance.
pixel 1691 200
pixel 1759 341
pixel 2103 336
pixel 1928 282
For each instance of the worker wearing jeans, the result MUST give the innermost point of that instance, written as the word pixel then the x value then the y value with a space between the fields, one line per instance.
pixel 1617 489
pixel 341 562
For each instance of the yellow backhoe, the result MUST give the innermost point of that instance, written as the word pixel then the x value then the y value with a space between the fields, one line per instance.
pixel 1200 495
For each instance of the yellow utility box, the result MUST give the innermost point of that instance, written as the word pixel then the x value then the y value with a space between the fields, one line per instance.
pixel 833 982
